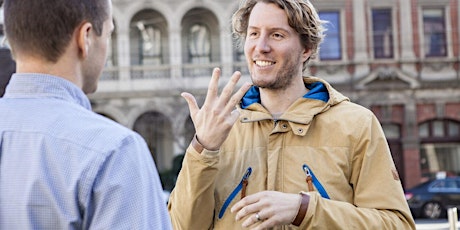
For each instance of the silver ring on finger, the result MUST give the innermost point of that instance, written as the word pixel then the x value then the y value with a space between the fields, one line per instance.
pixel 258 217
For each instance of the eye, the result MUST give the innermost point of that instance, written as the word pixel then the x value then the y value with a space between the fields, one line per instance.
pixel 252 34
pixel 278 35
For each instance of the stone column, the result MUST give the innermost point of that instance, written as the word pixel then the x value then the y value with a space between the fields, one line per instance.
pixel 360 42
pixel 407 38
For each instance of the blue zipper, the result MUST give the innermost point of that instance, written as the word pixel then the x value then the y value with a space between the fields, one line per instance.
pixel 315 181
pixel 234 192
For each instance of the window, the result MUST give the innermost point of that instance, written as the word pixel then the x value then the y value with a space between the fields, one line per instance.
pixel 382 33
pixel 392 131
pixel 331 48
pixel 440 147
pixel 434 30
pixel 440 130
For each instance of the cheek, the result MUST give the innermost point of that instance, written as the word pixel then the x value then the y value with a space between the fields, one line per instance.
pixel 247 48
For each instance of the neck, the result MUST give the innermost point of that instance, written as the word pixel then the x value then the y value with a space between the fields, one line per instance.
pixel 277 101
pixel 63 68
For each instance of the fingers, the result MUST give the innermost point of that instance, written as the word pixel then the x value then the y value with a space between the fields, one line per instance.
pixel 248 209
pixel 245 207
pixel 213 121
pixel 213 87
pixel 273 209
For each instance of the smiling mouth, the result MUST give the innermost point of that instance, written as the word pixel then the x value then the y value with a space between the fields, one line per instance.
pixel 264 63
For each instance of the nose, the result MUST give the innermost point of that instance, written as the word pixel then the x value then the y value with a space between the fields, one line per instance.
pixel 262 44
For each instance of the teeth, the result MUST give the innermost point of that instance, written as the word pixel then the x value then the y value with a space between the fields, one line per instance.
pixel 264 63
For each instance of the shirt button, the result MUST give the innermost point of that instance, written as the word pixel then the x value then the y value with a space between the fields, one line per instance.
pixel 300 130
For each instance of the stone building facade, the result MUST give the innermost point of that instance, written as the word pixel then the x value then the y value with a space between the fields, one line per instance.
pixel 399 58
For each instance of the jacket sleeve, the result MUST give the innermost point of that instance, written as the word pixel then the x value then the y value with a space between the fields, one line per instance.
pixel 191 204
pixel 378 199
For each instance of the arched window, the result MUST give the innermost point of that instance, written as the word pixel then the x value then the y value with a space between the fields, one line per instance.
pixel 149 51
pixel 200 42
pixel 156 129
pixel 440 147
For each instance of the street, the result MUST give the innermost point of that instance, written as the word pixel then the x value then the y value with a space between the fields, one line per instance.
pixel 425 224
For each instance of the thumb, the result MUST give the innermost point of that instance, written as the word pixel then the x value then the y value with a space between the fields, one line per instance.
pixel 235 114
pixel 192 104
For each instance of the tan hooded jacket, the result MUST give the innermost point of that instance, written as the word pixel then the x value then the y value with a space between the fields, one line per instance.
pixel 341 145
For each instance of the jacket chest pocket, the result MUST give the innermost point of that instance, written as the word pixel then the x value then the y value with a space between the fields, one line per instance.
pixel 239 189
pixel 311 180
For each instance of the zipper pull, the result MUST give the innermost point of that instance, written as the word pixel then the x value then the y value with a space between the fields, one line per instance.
pixel 245 182
pixel 309 178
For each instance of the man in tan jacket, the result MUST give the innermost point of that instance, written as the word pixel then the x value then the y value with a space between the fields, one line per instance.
pixel 295 154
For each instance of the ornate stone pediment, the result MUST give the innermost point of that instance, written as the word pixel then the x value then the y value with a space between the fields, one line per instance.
pixel 387 78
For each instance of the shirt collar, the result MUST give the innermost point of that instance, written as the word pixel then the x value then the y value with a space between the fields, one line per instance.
pixel 34 85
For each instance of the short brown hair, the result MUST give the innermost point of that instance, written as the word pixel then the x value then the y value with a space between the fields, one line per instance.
pixel 45 27
pixel 302 17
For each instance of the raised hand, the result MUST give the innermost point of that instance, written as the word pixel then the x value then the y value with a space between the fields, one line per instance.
pixel 214 120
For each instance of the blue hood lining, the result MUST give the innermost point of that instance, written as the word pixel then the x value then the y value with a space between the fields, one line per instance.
pixel 317 91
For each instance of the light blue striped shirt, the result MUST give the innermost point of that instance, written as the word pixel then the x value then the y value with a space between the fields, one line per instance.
pixel 63 166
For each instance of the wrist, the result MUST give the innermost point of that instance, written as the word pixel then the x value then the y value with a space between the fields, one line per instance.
pixel 197 145
pixel 305 200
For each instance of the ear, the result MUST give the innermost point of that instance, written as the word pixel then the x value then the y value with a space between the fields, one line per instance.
pixel 84 39
pixel 306 54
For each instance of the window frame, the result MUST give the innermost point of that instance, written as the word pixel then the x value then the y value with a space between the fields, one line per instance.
pixel 444 6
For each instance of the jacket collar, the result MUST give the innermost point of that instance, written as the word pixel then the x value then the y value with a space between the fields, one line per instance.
pixel 320 98
pixel 317 90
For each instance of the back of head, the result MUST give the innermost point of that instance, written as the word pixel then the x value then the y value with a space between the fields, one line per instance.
pixel 44 28
pixel 301 15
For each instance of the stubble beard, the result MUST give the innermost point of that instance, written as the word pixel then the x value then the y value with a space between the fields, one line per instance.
pixel 283 79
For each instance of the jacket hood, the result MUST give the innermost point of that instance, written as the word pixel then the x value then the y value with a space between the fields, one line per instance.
pixel 321 97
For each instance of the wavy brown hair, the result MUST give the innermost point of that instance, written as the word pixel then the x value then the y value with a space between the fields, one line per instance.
pixel 44 27
pixel 301 15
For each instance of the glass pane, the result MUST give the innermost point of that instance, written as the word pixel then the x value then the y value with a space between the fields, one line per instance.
pixel 453 129
pixel 438 128
pixel 391 131
pixel 331 47
pixel 434 32
pixel 150 43
pixel 436 157
pixel 383 33
pixel 199 44
pixel 423 130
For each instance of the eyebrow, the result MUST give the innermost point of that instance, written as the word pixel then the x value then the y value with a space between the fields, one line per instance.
pixel 273 29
